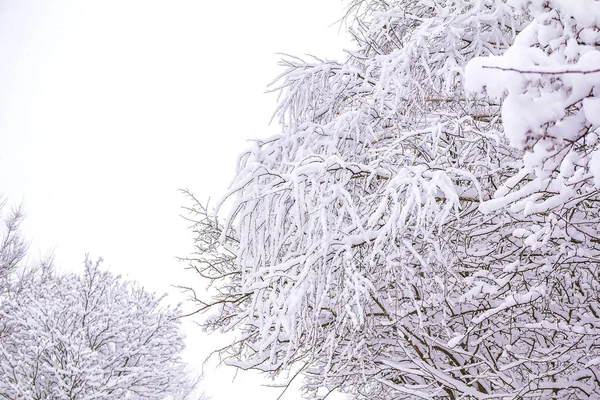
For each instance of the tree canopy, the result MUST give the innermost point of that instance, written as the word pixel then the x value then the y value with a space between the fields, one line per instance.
pixel 84 336
pixel 407 236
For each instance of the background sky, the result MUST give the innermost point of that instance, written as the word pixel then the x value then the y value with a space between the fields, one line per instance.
pixel 108 107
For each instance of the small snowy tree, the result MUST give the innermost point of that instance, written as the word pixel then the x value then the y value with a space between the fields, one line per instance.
pixel 90 336
pixel 13 247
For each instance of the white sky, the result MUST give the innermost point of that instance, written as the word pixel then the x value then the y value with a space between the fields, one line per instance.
pixel 108 107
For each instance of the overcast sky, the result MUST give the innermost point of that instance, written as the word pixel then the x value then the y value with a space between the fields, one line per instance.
pixel 108 107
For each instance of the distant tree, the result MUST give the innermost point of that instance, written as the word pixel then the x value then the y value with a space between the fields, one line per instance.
pixel 13 247
pixel 90 336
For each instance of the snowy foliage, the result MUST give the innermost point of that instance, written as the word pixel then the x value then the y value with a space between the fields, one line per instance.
pixel 394 239
pixel 90 336
pixel 550 80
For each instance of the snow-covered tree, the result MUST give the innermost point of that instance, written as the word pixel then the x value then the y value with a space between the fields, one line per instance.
pixel 13 247
pixel 356 244
pixel 549 81
pixel 90 336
